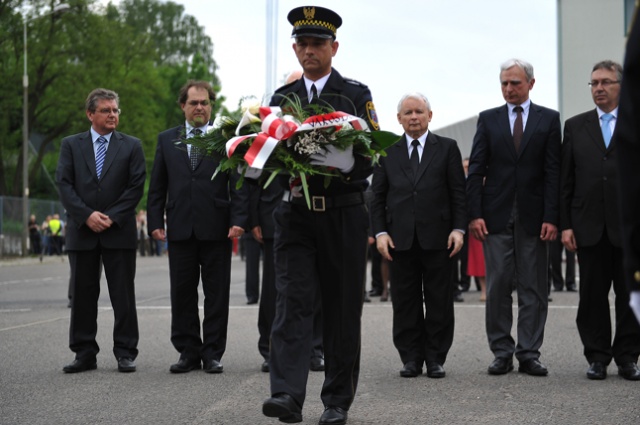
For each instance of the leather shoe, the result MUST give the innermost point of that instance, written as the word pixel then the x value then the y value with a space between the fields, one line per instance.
pixel 212 366
pixel 80 366
pixel 316 364
pixel 571 288
pixel 265 366
pixel 501 366
pixel 126 364
pixel 283 407
pixel 458 298
pixel 533 367
pixel 185 365
pixel 435 370
pixel 375 292
pixel 411 370
pixel 334 416
pixel 597 370
pixel 629 371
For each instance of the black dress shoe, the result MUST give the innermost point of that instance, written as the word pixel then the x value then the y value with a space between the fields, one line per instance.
pixel 212 366
pixel 501 366
pixel 265 366
pixel 533 367
pixel 126 364
pixel 252 301
pixel 597 370
pixel 185 365
pixel 316 364
pixel 435 370
pixel 375 292
pixel 571 287
pixel 458 298
pixel 80 366
pixel 283 407
pixel 411 370
pixel 334 416
pixel 629 371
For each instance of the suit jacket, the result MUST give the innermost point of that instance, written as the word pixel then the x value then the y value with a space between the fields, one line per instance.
pixel 262 205
pixel 430 205
pixel 115 194
pixel 589 182
pixel 498 176
pixel 194 204
pixel 341 94
pixel 628 146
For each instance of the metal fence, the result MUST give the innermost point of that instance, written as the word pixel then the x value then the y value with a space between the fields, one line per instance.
pixel 11 221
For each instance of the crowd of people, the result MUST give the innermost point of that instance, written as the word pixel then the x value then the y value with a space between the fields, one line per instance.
pixel 524 189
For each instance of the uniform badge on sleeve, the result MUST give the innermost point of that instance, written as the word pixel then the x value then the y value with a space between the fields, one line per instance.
pixel 372 115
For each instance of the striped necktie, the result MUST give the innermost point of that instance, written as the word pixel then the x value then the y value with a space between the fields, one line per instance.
pixel 101 152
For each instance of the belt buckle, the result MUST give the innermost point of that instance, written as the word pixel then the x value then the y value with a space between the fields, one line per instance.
pixel 318 204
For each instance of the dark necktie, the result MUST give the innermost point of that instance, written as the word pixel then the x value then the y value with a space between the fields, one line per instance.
pixel 314 94
pixel 101 152
pixel 195 151
pixel 415 158
pixel 606 130
pixel 518 128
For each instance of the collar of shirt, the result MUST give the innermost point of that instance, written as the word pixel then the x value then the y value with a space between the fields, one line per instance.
pixel 94 138
pixel 601 113
pixel 422 139
pixel 525 113
pixel 319 84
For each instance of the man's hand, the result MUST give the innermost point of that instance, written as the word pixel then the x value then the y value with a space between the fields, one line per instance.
pixel 569 240
pixel 98 222
pixel 257 234
pixel 384 243
pixel 549 232
pixel 478 229
pixel 235 232
pixel 159 235
pixel 334 157
pixel 251 172
pixel 371 240
pixel 456 239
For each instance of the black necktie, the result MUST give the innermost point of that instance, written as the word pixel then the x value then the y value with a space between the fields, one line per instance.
pixel 415 158
pixel 314 94
pixel 518 128
pixel 195 151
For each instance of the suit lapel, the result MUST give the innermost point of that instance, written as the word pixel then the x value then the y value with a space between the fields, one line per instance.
pixel 428 152
pixel 502 116
pixel 592 125
pixel 403 157
pixel 535 114
pixel 181 136
pixel 86 148
pixel 115 143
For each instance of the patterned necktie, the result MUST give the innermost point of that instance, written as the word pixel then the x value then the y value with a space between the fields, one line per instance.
pixel 606 129
pixel 415 158
pixel 518 128
pixel 195 151
pixel 314 94
pixel 101 152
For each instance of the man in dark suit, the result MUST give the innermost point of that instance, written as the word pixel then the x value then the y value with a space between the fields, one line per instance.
pixel 628 145
pixel 324 246
pixel 100 176
pixel 590 224
pixel 202 216
pixel 513 192
pixel 418 212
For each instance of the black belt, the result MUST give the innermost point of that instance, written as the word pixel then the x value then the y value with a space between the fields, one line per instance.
pixel 323 203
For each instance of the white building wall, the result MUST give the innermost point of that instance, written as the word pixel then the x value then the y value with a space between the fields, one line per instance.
pixel 588 31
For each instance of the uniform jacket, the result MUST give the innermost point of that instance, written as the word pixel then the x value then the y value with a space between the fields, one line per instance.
pixel 194 203
pixel 589 176
pixel 431 205
pixel 115 194
pixel 498 176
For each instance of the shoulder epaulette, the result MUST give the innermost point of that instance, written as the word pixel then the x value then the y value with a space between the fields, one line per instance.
pixel 354 82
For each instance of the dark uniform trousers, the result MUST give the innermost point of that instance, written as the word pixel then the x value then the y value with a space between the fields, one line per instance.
pixel 331 245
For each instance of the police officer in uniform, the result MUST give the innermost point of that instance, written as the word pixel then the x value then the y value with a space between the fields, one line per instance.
pixel 325 245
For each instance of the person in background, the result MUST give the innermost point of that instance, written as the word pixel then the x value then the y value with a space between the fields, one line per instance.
pixel 590 224
pixel 34 235
pixel 100 176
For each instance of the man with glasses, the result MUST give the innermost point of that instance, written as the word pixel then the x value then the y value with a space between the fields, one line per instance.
pixel 100 176
pixel 202 217
pixel 590 224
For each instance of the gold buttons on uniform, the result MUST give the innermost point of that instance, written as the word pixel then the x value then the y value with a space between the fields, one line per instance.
pixel 636 276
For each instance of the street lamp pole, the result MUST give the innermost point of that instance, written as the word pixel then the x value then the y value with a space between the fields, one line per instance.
pixel 25 132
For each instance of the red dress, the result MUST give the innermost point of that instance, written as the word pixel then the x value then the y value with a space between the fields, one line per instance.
pixel 475 265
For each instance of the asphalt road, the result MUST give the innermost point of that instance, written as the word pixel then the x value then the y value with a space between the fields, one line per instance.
pixel 34 322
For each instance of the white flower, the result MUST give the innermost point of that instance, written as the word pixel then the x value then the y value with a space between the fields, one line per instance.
pixel 250 104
